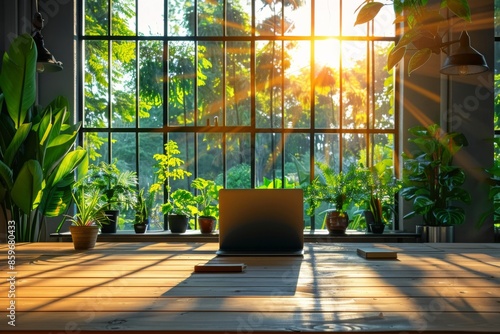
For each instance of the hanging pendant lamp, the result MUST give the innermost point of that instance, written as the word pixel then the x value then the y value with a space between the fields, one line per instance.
pixel 465 60
pixel 45 62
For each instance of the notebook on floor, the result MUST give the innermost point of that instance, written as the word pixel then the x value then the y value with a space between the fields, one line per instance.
pixel 261 222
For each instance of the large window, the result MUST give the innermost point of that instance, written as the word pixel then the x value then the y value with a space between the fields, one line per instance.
pixel 254 92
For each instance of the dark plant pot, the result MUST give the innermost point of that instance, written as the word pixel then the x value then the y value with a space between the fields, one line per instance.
pixel 178 223
pixel 110 227
pixel 336 222
pixel 436 233
pixel 206 224
pixel 368 219
pixel 377 228
pixel 84 237
pixel 140 228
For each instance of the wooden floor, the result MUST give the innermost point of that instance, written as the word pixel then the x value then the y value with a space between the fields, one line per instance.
pixel 139 287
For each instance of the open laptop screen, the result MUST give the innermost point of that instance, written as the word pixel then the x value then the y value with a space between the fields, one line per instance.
pixel 260 220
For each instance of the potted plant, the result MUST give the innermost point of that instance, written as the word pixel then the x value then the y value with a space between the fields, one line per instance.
pixel 142 209
pixel 168 167
pixel 117 188
pixel 90 216
pixel 38 155
pixel 207 202
pixel 383 187
pixel 179 208
pixel 339 189
pixel 433 184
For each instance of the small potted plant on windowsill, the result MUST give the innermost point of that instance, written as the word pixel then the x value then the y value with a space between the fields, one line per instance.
pixel 142 209
pixel 433 184
pixel 383 187
pixel 180 207
pixel 90 216
pixel 118 190
pixel 207 203
pixel 339 189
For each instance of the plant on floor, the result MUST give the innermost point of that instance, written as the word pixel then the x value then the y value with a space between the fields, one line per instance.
pixel 425 27
pixel 431 181
pixel 38 157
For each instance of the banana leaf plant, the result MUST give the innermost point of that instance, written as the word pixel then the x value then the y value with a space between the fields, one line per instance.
pixel 38 157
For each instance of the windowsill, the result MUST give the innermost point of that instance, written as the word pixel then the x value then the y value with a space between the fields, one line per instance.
pixel 195 236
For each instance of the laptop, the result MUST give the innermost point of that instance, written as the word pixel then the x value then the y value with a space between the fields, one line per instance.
pixel 261 222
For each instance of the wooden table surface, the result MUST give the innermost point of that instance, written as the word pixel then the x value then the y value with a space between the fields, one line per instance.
pixel 139 287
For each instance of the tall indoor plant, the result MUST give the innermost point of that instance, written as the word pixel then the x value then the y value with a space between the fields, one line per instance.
pixel 431 181
pixel 37 146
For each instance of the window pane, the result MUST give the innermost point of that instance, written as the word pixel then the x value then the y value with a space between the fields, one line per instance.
pixel 96 144
pixel 185 141
pixel 123 93
pixel 209 157
pixel 238 161
pixel 96 18
pixel 349 17
pixel 297 86
pixel 327 149
pixel 238 84
pixel 239 18
pixel 181 83
pixel 123 18
pixel 151 17
pixel 327 18
pixel 268 148
pixel 298 18
pixel 210 17
pixel 381 148
pixel 210 82
pixel 353 145
pixel 178 11
pixel 354 83
pixel 151 84
pixel 383 88
pixel 96 85
pixel 269 77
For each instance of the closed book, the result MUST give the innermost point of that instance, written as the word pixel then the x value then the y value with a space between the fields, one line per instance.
pixel 219 267
pixel 377 253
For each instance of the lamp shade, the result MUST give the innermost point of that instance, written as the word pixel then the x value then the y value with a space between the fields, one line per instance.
pixel 465 60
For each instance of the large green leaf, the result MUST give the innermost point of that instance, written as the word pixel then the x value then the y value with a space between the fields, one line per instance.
pixel 67 166
pixel 18 140
pixel 26 191
pixel 368 12
pixel 460 8
pixel 57 150
pixel 418 59
pixel 17 79
pixel 6 180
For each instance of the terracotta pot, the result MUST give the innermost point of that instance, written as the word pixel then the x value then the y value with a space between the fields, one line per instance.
pixel 206 224
pixel 84 237
pixel 336 222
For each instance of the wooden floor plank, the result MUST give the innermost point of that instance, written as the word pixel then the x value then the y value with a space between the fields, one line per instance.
pixel 255 304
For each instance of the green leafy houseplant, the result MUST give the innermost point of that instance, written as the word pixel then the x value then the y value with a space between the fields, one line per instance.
pixel 143 207
pixel 425 30
pixel 383 186
pixel 180 206
pixel 430 180
pixel 90 216
pixel 339 189
pixel 207 198
pixel 117 187
pixel 38 157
